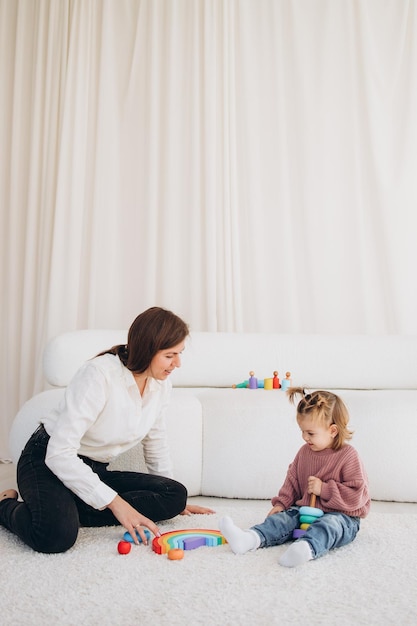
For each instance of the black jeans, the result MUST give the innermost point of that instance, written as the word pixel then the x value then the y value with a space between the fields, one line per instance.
pixel 50 515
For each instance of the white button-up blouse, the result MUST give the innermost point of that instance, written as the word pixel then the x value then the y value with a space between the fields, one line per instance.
pixel 102 415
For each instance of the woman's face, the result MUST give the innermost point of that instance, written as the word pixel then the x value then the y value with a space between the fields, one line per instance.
pixel 165 361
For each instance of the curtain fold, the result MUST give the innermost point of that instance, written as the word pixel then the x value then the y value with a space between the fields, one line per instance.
pixel 249 165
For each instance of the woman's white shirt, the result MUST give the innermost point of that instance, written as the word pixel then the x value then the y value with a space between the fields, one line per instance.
pixel 101 416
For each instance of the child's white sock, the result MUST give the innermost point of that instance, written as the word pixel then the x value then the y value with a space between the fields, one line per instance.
pixel 239 540
pixel 298 553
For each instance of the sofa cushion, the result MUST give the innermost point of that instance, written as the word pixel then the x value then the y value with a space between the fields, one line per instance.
pixel 385 434
pixel 251 436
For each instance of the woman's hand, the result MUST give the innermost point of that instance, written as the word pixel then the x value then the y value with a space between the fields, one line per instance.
pixel 193 508
pixel 132 520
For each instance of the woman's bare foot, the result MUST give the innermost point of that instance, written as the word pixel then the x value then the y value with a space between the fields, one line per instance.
pixel 9 493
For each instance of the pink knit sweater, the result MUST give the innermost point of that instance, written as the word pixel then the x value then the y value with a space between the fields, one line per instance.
pixel 345 484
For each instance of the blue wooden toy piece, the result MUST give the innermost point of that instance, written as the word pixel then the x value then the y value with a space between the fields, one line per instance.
pixel 128 537
pixel 286 382
pixel 311 510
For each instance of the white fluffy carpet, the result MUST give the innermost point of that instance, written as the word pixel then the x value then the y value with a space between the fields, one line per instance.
pixel 371 581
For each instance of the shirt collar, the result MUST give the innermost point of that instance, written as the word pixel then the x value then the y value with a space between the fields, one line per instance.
pixel 151 385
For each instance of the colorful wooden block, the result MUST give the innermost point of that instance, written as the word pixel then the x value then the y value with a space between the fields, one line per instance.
pixel 128 537
pixel 188 539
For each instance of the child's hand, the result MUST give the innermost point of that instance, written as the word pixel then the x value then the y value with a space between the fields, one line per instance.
pixel 276 509
pixel 314 485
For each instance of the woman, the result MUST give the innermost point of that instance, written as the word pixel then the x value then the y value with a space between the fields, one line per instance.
pixel 114 401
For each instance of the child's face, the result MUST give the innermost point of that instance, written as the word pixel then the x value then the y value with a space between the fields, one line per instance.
pixel 317 436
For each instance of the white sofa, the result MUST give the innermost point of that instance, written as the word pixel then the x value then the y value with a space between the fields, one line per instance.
pixel 237 443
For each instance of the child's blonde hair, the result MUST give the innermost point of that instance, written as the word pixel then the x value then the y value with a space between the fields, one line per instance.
pixel 325 407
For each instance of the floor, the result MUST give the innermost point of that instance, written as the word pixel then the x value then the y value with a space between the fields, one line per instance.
pixel 8 480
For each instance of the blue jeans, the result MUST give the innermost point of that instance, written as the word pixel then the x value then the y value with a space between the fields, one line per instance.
pixel 50 515
pixel 332 530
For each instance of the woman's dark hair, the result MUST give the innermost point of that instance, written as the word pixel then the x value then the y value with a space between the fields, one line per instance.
pixel 153 330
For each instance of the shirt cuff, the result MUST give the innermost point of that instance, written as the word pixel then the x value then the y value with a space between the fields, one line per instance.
pixel 102 497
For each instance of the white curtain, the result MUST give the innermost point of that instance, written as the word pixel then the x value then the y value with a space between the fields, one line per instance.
pixel 249 164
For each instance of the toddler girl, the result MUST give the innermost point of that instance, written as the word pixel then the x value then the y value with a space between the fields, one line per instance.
pixel 325 466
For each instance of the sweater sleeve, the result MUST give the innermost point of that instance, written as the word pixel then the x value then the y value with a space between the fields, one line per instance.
pixel 348 491
pixel 290 491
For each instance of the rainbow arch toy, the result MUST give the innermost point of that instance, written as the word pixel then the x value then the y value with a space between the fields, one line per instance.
pixel 189 539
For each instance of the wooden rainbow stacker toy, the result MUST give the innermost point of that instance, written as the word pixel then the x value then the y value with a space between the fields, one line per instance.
pixel 188 539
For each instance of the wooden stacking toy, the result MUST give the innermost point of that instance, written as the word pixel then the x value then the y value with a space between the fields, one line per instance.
pixel 286 382
pixel 253 382
pixel 272 382
pixel 188 539
pixel 308 515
